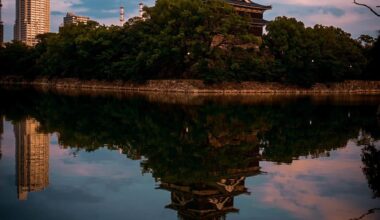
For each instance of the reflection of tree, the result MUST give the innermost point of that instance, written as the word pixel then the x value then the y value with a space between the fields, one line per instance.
pixel 369 212
pixel 202 154
pixel 138 127
pixel 371 169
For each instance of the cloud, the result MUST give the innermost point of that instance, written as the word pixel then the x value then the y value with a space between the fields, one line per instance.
pixel 8 11
pixel 337 3
pixel 324 188
pixel 63 6
pixel 339 13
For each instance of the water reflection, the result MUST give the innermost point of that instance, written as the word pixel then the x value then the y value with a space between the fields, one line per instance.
pixel 207 200
pixel 371 168
pixel 202 153
pixel 1 134
pixel 32 158
pixel 212 198
pixel 208 195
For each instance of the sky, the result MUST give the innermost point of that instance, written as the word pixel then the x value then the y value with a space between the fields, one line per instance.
pixel 340 13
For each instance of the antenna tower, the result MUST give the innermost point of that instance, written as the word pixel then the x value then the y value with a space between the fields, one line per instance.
pixel 141 9
pixel 122 14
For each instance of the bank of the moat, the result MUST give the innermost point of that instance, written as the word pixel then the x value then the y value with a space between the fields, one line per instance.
pixel 198 86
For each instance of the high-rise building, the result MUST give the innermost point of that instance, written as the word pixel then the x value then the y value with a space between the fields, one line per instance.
pixel 32 19
pixel 32 158
pixel 1 26
pixel 71 18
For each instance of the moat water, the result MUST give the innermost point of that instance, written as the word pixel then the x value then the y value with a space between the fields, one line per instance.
pixel 121 156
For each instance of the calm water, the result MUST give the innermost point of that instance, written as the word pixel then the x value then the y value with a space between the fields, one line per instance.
pixel 77 156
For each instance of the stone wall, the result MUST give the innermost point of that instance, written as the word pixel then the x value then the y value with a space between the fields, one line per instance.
pixel 197 86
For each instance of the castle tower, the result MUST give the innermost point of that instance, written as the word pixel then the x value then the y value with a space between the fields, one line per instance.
pixel 252 10
pixel 32 158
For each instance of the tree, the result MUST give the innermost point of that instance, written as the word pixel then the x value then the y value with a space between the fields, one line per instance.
pixel 372 52
pixel 366 41
pixel 16 58
pixel 286 39
pixel 178 36
pixel 177 40
pixel 195 39
pixel 308 55
pixel 81 50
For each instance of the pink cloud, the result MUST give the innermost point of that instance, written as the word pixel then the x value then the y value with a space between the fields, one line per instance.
pixel 302 187
pixel 355 19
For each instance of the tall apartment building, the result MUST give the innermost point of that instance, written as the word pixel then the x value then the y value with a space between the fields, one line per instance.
pixel 32 158
pixel 71 18
pixel 32 19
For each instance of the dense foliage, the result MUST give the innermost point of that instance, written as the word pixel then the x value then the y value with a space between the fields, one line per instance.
pixel 140 124
pixel 206 139
pixel 199 40
pixel 308 55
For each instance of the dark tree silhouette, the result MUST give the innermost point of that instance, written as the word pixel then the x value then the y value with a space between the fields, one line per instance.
pixel 371 169
pixel 369 7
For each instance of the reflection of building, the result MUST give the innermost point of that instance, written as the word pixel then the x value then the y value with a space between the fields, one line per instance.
pixel 71 18
pixel 32 19
pixel 211 200
pixel 254 11
pixel 32 158
pixel 1 134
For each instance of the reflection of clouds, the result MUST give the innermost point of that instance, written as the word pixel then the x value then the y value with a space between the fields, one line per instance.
pixel 101 169
pixel 319 188
pixel 72 195
pixel 8 141
pixel 69 166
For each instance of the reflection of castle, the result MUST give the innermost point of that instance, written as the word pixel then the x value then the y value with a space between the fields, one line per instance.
pixel 210 200
pixel 32 158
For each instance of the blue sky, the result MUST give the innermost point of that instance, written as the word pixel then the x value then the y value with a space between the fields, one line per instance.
pixel 341 13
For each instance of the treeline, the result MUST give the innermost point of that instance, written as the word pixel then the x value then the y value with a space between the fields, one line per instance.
pixel 196 39
pixel 283 130
pixel 203 139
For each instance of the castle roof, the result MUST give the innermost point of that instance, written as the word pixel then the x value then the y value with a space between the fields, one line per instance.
pixel 248 4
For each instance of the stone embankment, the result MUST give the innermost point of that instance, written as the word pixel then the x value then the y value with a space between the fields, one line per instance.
pixel 197 86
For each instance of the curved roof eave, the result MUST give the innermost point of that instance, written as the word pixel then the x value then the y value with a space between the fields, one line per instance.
pixel 249 4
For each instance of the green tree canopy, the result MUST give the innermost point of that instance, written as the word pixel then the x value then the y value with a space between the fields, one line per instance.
pixel 307 55
pixel 196 39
